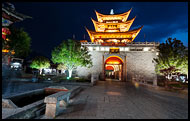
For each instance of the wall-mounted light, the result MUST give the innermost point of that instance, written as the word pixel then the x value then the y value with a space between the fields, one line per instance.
pixel 102 48
pixel 90 48
pixel 121 49
pixel 107 48
pixel 146 49
pixel 97 48
pixel 126 49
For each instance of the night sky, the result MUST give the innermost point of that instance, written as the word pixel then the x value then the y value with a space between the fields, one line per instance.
pixel 53 22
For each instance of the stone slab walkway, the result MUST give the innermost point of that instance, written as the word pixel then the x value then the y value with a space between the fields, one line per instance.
pixel 121 100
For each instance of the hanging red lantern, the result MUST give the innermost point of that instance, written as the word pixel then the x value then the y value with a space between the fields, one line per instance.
pixel 3 36
pixel 5 31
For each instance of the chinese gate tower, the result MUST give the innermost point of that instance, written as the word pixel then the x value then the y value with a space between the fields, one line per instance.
pixel 113 28
pixel 114 54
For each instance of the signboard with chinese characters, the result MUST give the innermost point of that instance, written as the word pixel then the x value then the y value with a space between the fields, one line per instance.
pixel 114 50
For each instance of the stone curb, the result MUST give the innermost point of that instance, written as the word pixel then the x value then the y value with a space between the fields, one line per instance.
pixel 24 112
pixel 28 110
pixel 162 88
pixel 76 83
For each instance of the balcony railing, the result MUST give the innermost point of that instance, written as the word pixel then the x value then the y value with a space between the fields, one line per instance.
pixel 127 44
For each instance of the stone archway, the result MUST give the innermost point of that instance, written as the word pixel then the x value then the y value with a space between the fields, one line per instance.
pixel 113 68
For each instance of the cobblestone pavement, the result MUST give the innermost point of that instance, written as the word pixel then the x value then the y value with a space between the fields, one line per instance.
pixel 121 100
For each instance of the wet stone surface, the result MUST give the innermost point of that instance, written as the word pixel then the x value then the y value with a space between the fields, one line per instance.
pixel 120 100
pixel 15 87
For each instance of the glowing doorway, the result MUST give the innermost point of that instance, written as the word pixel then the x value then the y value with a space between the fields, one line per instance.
pixel 114 68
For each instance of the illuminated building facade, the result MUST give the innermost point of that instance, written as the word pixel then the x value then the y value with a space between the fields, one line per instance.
pixel 9 16
pixel 113 28
pixel 115 55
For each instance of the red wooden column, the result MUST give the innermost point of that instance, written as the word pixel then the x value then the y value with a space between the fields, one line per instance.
pixel 124 69
pixel 103 68
pixel 122 72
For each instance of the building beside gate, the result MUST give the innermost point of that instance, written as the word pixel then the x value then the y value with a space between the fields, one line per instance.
pixel 9 17
pixel 114 54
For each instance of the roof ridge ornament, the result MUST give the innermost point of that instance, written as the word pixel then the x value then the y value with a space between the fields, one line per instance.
pixel 111 12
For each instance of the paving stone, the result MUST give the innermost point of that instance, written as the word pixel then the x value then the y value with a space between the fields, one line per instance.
pixel 124 101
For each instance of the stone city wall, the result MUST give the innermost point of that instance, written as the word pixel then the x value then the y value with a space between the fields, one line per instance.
pixel 139 64
pixel 96 69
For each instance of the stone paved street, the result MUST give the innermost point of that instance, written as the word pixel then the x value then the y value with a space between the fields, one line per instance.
pixel 120 100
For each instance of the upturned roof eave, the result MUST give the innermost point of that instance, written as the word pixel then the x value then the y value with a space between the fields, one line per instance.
pixel 128 32
pixel 15 14
pixel 127 22
pixel 122 14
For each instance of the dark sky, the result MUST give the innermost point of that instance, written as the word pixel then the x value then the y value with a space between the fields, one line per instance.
pixel 53 22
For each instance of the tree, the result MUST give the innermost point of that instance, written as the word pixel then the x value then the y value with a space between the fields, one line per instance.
pixel 61 67
pixel 71 54
pixel 172 59
pixel 184 63
pixel 19 41
pixel 40 62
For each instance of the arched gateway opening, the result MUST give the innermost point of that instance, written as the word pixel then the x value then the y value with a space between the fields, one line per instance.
pixel 113 68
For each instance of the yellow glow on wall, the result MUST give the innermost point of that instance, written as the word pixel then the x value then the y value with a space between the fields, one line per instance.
pixel 112 30
pixel 100 40
pixel 116 57
pixel 6 51
pixel 114 48
pixel 92 38
pixel 115 40
pixel 124 40
pixel 113 62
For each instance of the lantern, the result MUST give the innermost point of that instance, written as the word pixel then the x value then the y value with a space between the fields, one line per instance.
pixel 5 31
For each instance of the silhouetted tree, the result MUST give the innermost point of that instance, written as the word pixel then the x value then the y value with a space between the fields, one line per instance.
pixel 19 41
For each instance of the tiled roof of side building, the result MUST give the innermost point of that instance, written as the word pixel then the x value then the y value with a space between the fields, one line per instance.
pixel 12 12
